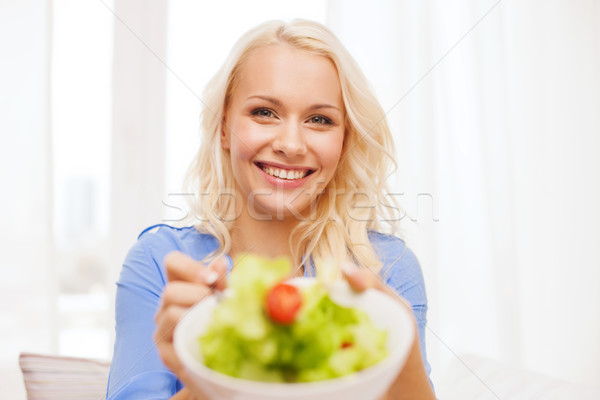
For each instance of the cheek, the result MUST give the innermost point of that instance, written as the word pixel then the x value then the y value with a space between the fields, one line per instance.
pixel 331 151
pixel 240 152
pixel 245 141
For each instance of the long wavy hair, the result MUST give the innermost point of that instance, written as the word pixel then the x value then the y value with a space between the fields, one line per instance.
pixel 354 201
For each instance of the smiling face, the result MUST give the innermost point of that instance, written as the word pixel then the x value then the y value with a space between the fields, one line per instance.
pixel 284 129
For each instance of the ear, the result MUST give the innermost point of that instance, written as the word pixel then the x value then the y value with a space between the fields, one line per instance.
pixel 225 143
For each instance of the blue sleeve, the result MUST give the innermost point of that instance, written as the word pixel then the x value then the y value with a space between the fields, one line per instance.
pixel 137 371
pixel 402 272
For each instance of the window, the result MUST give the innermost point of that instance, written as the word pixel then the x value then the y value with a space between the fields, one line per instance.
pixel 81 92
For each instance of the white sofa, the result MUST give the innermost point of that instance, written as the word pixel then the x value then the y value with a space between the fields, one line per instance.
pixel 473 377
pixel 61 378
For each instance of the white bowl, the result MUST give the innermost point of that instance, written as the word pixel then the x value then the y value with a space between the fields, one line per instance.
pixel 368 384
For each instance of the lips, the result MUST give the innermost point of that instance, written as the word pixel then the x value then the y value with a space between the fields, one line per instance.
pixel 288 173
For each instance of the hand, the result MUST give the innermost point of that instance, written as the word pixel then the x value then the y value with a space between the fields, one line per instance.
pixel 412 381
pixel 189 282
pixel 363 279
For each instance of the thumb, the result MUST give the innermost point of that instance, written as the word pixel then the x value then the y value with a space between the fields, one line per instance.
pixel 217 277
pixel 361 279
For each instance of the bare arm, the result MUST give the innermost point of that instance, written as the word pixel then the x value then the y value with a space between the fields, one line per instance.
pixel 189 283
pixel 183 394
pixel 412 382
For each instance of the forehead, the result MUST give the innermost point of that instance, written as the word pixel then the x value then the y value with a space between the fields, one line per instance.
pixel 289 73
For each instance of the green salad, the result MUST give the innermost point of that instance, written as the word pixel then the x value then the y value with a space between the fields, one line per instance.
pixel 270 331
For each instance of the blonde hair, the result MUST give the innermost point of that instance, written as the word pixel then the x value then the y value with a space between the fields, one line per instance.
pixel 340 221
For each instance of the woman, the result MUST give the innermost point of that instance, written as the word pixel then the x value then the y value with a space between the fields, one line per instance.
pixel 294 143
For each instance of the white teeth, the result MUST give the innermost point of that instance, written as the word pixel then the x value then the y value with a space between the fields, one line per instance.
pixel 285 174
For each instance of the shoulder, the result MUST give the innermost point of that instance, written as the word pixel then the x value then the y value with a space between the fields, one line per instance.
pixel 393 252
pixel 146 257
pixel 161 239
pixel 401 269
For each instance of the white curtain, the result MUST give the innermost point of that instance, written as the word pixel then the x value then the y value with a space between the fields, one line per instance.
pixel 494 105
pixel 27 285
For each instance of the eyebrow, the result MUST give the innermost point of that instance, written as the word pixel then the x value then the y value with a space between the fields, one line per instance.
pixel 276 102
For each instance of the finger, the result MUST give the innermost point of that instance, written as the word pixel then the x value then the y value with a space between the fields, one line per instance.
pixel 183 294
pixel 182 267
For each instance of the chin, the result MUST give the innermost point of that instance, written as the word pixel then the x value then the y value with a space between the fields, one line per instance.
pixel 281 212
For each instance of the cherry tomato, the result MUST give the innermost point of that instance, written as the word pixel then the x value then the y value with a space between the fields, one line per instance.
pixel 283 303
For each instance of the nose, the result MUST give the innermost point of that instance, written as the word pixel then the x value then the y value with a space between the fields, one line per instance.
pixel 290 141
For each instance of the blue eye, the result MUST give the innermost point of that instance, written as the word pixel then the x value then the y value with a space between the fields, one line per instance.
pixel 263 112
pixel 320 120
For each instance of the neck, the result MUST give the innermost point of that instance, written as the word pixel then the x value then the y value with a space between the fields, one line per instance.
pixel 266 238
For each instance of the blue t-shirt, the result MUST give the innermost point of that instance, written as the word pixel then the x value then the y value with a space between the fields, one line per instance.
pixel 137 371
